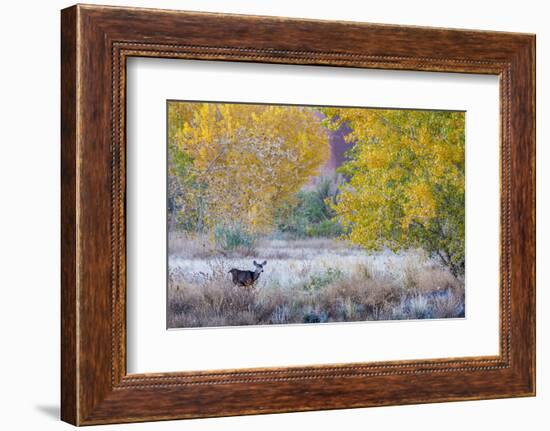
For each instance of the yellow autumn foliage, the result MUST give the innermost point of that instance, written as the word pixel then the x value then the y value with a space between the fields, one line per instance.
pixel 239 162
pixel 406 180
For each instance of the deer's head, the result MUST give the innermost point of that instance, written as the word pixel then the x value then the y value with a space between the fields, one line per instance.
pixel 259 266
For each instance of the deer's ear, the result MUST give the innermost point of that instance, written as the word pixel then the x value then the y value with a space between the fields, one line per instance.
pixel 255 263
pixel 265 261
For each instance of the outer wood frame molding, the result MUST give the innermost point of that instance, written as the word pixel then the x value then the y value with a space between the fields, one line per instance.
pixel 95 43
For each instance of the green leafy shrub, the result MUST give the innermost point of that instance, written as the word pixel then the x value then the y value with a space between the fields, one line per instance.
pixel 326 229
pixel 318 281
pixel 311 215
pixel 234 237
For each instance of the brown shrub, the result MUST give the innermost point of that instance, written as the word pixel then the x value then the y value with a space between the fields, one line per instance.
pixel 191 245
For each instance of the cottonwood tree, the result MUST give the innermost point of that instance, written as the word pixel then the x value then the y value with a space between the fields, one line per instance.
pixel 406 181
pixel 236 163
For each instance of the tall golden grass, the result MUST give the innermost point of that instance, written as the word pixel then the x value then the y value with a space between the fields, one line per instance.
pixel 364 294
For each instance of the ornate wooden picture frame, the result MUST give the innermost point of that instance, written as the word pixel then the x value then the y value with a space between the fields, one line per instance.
pixel 96 41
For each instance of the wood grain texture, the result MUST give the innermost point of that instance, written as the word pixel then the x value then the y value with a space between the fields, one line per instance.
pixel 96 41
pixel 69 397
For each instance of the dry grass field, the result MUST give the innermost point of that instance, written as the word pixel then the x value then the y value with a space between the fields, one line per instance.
pixel 313 280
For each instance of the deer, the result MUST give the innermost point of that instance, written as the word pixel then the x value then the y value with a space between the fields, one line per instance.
pixel 245 278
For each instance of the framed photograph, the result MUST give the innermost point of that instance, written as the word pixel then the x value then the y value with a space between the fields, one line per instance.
pixel 265 215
